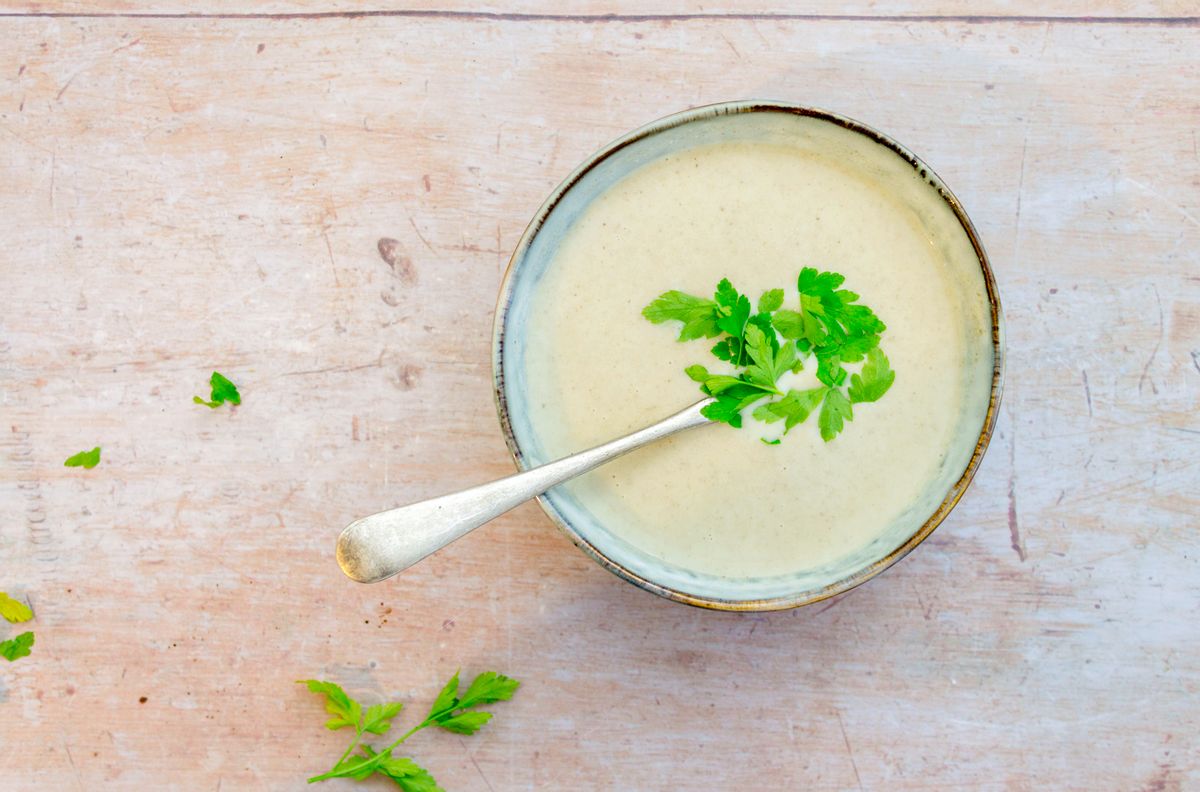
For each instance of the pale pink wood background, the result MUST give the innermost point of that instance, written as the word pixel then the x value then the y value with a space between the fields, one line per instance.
pixel 183 194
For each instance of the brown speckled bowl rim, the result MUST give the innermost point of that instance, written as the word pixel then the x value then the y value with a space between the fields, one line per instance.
pixel 955 492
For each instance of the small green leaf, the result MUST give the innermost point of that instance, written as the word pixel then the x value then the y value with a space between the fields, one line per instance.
pixel 18 647
pixel 856 348
pixel 721 382
pixel 346 710
pixel 408 775
pixel 793 408
pixel 447 699
pixel 84 459
pixel 378 717
pixel 790 324
pixel 724 410
pixel 776 441
pixel 728 348
pixel 829 367
pixel 771 300
pixel 489 687
pixel 14 610
pixel 465 722
pixel 699 316
pixel 874 380
pixel 834 412
pixel 733 309
pixel 222 391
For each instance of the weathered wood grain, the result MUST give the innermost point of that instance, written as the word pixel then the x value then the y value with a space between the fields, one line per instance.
pixel 183 195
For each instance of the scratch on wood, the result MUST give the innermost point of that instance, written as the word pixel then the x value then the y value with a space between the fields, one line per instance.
pixel 476 765
pixel 67 85
pixel 133 43
pixel 1196 360
pixel 1087 392
pixel 849 750
pixel 339 369
pixel 420 236
pixel 329 249
pixel 1020 192
pixel 74 769
pixel 53 170
pixel 1014 529
pixel 730 43
pixel 1157 345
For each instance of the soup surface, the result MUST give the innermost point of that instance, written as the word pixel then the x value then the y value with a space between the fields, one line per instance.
pixel 717 500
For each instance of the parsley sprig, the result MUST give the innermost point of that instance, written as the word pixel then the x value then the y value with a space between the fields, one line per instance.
pixel 450 711
pixel 830 327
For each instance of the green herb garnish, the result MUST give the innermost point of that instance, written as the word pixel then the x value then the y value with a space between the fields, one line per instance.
pixel 13 610
pixel 449 711
pixel 84 459
pixel 830 327
pixel 15 648
pixel 222 391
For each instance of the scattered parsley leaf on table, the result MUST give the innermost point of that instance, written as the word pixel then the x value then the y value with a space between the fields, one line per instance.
pixel 222 391
pixel 830 326
pixel 448 711
pixel 84 459
pixel 14 610
pixel 18 647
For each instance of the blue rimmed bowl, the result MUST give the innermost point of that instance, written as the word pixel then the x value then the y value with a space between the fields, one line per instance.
pixel 745 121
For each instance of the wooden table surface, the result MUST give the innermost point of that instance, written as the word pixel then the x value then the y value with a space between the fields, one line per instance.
pixel 194 186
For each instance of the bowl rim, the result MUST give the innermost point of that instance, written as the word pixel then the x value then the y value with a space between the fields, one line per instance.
pixel 953 495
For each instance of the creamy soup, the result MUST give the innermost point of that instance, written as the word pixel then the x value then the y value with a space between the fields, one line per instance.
pixel 717 500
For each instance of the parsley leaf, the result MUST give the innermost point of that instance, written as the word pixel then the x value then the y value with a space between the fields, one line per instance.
pixel 448 710
pixel 407 774
pixel 488 688
pixel 793 408
pixel 699 316
pixel 14 610
pixel 222 391
pixel 724 410
pixel 378 717
pixel 15 648
pixel 346 711
pixel 84 459
pixel 874 380
pixel 829 366
pixel 771 300
pixel 734 309
pixel 856 347
pixel 834 412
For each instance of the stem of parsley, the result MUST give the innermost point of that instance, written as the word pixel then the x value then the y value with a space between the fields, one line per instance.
pixel 350 750
pixel 368 761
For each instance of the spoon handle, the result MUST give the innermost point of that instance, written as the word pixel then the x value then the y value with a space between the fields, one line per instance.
pixel 374 548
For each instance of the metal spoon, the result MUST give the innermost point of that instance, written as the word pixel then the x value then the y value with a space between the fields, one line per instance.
pixel 375 548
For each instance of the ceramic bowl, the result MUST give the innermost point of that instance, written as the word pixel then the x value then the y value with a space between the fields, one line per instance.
pixel 733 121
